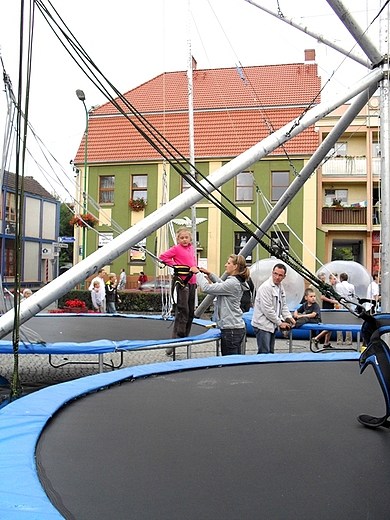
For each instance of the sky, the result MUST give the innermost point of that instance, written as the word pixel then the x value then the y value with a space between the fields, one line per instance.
pixel 133 42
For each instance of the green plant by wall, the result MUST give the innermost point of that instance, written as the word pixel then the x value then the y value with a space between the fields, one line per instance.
pixel 134 301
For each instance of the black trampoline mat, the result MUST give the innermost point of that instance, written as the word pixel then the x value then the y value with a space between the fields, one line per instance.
pixel 264 441
pixel 56 328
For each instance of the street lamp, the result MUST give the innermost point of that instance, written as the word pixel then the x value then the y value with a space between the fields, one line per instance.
pixel 80 94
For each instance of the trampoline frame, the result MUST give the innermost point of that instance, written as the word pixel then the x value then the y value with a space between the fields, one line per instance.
pixel 174 345
pixel 21 496
pixel 108 346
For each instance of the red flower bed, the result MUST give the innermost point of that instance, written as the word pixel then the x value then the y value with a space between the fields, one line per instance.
pixel 75 303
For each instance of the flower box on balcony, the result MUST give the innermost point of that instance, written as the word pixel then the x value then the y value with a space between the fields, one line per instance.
pixel 84 220
pixel 137 204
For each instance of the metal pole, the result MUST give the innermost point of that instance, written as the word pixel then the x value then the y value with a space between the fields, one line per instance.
pixel 85 178
pixel 81 96
pixel 359 35
pixel 385 163
pixel 191 130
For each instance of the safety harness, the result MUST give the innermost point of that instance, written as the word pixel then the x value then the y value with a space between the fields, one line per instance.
pixel 178 282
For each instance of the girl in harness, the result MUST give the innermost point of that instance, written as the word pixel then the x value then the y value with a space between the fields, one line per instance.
pixel 181 257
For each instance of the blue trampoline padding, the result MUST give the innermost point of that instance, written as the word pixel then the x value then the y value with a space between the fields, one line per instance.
pixel 105 345
pixel 303 332
pixel 21 423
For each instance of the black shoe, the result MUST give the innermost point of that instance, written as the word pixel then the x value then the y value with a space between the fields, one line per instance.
pixel 328 345
pixel 315 343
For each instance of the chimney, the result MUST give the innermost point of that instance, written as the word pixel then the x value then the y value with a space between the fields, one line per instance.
pixel 194 64
pixel 310 55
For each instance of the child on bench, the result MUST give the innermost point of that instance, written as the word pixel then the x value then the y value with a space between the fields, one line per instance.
pixel 309 311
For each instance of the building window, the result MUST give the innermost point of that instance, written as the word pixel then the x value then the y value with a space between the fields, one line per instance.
pixel 139 187
pixel 240 240
pixel 340 149
pixel 244 187
pixel 340 195
pixel 10 213
pixel 280 240
pixel 280 181
pixel 9 258
pixel 185 184
pixel 106 189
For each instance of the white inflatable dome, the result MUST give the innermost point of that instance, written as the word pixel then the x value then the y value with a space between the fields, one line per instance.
pixel 357 274
pixel 293 284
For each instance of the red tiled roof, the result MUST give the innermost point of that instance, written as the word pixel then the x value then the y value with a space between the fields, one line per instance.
pixel 230 114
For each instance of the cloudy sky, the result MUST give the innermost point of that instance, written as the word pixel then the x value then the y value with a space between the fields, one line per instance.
pixel 132 42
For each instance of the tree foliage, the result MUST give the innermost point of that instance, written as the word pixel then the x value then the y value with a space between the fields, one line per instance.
pixel 66 230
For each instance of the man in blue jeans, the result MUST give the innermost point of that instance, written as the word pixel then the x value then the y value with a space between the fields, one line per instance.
pixel 270 311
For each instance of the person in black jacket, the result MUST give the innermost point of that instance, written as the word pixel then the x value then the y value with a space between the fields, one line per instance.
pixel 248 296
pixel 112 297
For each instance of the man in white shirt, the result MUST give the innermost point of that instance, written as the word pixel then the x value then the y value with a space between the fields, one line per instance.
pixel 270 311
pixel 346 289
pixel 102 289
pixel 122 280
pixel 373 290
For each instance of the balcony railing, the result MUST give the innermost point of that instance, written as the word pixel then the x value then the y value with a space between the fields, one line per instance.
pixel 345 167
pixel 332 215
pixel 376 166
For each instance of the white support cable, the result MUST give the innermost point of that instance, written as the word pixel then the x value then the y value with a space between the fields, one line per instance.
pixel 268 206
pixel 166 296
pixel 249 85
pixel 12 104
pixel 114 226
pixel 307 31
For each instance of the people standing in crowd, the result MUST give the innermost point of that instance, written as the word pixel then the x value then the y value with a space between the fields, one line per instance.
pixel 327 303
pixel 100 278
pixel 122 280
pixel 184 284
pixel 112 297
pixel 142 278
pixel 228 293
pixel 96 297
pixel 347 291
pixel 309 311
pixel 248 296
pixel 373 291
pixel 270 311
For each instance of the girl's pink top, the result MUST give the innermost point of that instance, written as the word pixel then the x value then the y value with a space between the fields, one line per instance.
pixel 180 255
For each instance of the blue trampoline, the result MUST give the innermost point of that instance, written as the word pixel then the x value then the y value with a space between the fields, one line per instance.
pixel 102 333
pixel 269 436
